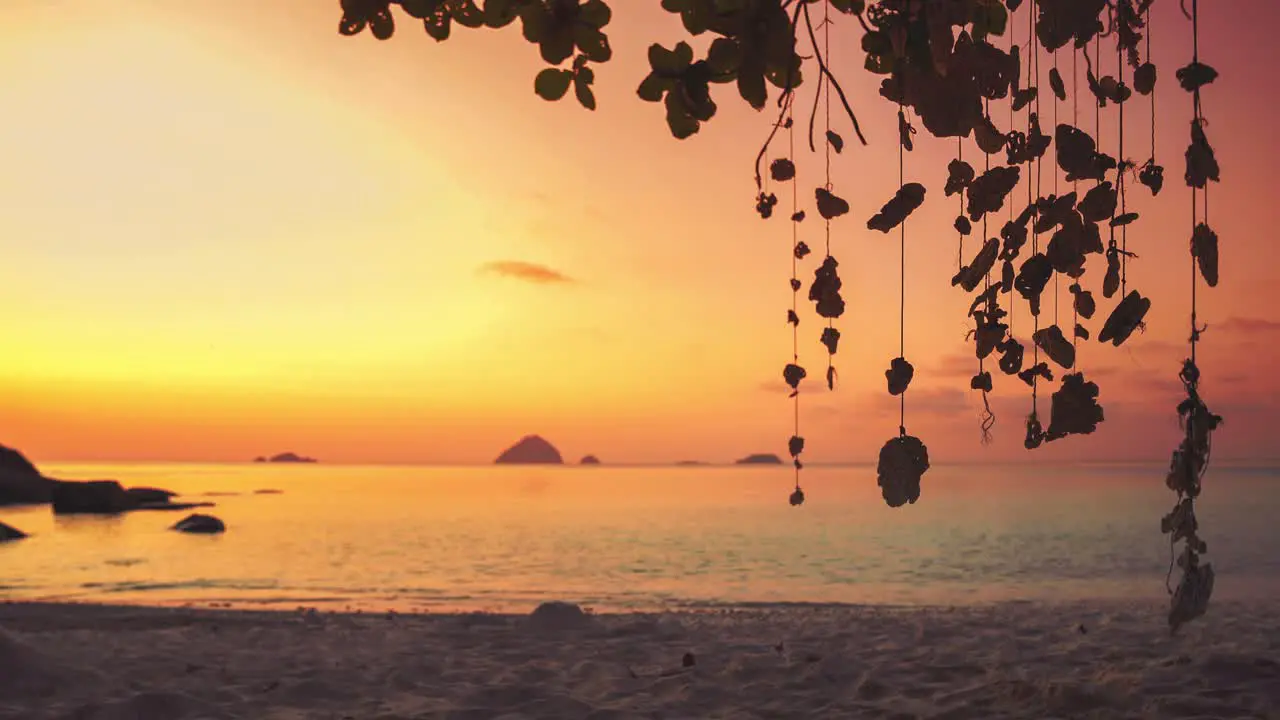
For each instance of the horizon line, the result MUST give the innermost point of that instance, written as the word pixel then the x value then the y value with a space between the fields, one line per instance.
pixel 1251 462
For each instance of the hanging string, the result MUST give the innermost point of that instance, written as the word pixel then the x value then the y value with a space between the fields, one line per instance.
pixel 795 283
pixel 1197 118
pixel 1057 277
pixel 1013 306
pixel 988 417
pixel 960 256
pixel 1153 90
pixel 1075 184
pixel 1122 169
pixel 1097 120
pixel 902 282
pixel 1033 66
pixel 826 83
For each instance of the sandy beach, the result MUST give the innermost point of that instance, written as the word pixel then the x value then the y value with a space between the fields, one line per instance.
pixel 1021 660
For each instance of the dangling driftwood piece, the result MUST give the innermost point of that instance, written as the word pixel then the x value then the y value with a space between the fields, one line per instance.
pixel 1075 409
pixel 903 461
pixel 899 376
pixel 1190 460
pixel 1190 599
pixel 1204 246
pixel 1126 318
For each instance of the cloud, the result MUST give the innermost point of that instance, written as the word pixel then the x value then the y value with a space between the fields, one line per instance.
pixel 1248 325
pixel 526 271
pixel 959 365
pixel 774 386
pixel 936 401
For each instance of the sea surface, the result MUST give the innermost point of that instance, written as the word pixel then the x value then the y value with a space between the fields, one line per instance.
pixel 639 538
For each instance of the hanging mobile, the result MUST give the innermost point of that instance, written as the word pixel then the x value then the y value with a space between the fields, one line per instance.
pixel 784 170
pixel 904 459
pixel 1191 597
pixel 1074 408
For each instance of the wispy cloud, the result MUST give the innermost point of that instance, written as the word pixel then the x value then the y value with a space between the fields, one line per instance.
pixel 526 271
pixel 1248 325
pixel 935 401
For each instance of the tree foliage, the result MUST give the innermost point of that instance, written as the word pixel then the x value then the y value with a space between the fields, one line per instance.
pixel 941 69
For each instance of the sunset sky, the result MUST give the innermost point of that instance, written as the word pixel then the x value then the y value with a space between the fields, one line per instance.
pixel 227 231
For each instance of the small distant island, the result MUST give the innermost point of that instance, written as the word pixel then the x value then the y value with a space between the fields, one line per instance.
pixel 531 450
pixel 760 459
pixel 690 463
pixel 287 457
pixel 589 460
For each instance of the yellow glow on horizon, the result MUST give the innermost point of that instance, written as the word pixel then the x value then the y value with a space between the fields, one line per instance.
pixel 224 226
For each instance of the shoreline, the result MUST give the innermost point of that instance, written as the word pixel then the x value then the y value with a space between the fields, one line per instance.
pixel 1075 659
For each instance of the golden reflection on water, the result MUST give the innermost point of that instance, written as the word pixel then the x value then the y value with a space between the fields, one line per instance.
pixel 508 537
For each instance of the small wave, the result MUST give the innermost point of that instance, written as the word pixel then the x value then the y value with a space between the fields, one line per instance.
pixel 127 587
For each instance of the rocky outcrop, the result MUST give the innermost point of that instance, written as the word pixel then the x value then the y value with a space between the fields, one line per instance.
pixel 14 461
pixel 22 484
pixel 760 459
pixel 558 616
pixel 107 497
pixel 198 524
pixel 531 450
pixel 589 460
pixel 149 496
pixel 96 497
pixel 287 457
pixel 20 480
pixel 8 532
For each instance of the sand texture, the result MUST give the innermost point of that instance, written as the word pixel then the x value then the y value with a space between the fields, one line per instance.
pixel 1015 660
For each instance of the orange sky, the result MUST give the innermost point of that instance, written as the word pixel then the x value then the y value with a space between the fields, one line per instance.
pixel 227 231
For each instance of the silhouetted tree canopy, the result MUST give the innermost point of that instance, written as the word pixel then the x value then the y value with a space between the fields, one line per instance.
pixel 941 71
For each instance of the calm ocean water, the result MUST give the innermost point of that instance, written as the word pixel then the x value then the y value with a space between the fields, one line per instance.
pixel 639 538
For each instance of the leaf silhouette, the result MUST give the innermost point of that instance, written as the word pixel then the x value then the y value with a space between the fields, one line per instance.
pixel 825 290
pixel 1195 76
pixel 1099 203
pixel 972 274
pixel 1202 166
pixel 1083 303
pixel 1011 353
pixel 829 205
pixel 981 381
pixel 552 83
pixel 1075 409
pixel 831 339
pixel 1204 246
pixel 1056 346
pixel 1144 79
pixel 793 374
pixel 987 193
pixel 1032 279
pixel 1111 282
pixel 959 175
pixel 899 376
pixel 765 203
pixel 1035 433
pixel 895 212
pixel 1040 370
pixel 1152 176
pixel 1127 317
pixel 1056 84
pixel 782 170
